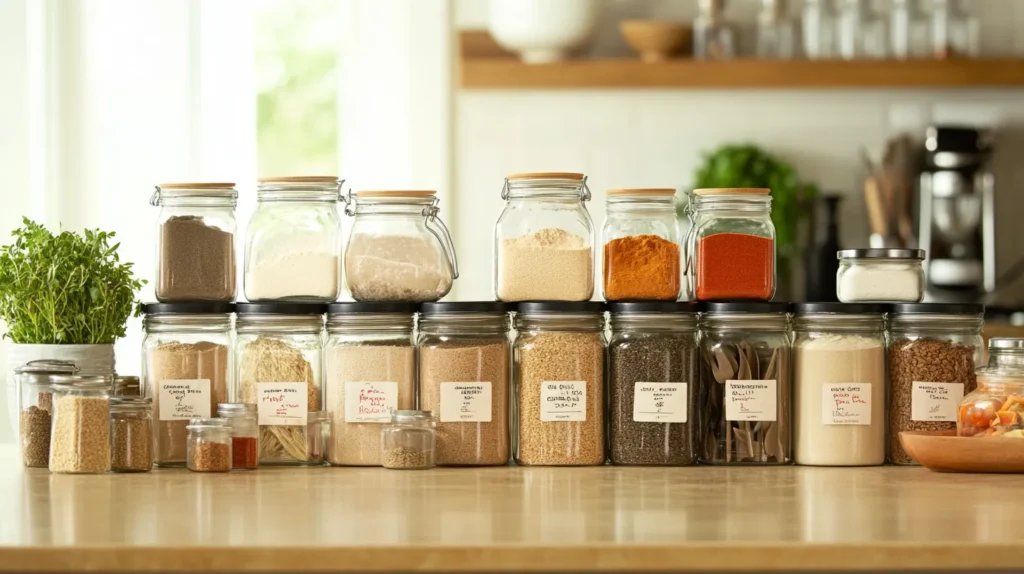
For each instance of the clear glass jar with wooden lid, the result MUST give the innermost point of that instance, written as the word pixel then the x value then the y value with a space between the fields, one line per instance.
pixel 641 245
pixel 544 239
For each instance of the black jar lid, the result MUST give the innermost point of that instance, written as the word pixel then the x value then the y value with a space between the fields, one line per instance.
pixel 280 308
pixel 938 308
pixel 189 308
pixel 383 307
pixel 561 307
pixel 841 308
pixel 754 307
pixel 465 307
pixel 654 307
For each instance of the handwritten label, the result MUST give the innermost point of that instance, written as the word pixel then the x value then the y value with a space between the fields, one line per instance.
pixel 659 402
pixel 466 402
pixel 935 401
pixel 751 400
pixel 846 404
pixel 563 401
pixel 183 399
pixel 370 402
pixel 282 404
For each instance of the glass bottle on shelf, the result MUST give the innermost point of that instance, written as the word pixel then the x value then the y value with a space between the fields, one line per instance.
pixel 776 31
pixel 955 31
pixel 819 29
pixel 714 37
pixel 908 30
pixel 862 34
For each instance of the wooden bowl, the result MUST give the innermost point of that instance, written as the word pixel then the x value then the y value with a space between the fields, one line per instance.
pixel 943 451
pixel 657 41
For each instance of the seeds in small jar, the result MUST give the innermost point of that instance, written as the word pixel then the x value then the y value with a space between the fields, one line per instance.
pixel 407 458
pixel 209 456
pixel 80 441
pixel 132 440
pixel 34 424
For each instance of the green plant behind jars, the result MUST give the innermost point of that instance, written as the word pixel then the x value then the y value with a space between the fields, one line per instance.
pixel 65 288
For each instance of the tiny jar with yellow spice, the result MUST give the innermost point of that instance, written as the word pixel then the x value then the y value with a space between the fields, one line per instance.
pixel 641 245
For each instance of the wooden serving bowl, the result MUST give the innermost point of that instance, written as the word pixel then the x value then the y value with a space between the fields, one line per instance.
pixel 943 451
pixel 655 40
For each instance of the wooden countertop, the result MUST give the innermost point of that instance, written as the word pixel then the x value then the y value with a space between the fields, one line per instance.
pixel 555 519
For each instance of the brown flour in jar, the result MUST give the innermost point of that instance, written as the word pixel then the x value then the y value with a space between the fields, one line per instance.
pixel 197 261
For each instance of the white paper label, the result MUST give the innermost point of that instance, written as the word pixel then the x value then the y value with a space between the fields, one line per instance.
pixel 935 401
pixel 750 400
pixel 282 404
pixel 563 401
pixel 846 404
pixel 659 402
pixel 183 399
pixel 466 402
pixel 370 402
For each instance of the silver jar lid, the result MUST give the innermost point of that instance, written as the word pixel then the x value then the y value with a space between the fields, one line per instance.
pixel 42 371
pixel 228 410
pixel 1006 343
pixel 208 423
pixel 83 382
pixel 909 254
pixel 411 416
pixel 131 404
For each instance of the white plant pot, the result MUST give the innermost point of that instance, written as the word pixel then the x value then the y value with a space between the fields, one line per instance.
pixel 543 31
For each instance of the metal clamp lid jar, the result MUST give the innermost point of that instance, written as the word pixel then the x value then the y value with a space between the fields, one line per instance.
pixel 880 276
pixel 544 239
pixel 35 407
pixel 641 245
pixel 398 248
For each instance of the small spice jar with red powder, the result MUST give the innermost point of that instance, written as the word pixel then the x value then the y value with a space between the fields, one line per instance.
pixel 641 245
pixel 245 434
pixel 731 245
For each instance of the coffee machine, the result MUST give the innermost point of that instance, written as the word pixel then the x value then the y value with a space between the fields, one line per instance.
pixel 956 213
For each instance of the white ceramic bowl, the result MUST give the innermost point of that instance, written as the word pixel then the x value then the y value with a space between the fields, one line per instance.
pixel 543 31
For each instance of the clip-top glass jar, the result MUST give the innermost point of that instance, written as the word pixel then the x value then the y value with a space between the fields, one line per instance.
pixel 293 247
pixel 996 407
pixel 80 436
pixel 196 241
pixel 880 275
pixel 398 248
pixel 641 245
pixel 35 398
pixel 407 443
pixel 544 239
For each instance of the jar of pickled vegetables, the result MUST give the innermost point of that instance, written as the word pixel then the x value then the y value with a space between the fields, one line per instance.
pixel 996 407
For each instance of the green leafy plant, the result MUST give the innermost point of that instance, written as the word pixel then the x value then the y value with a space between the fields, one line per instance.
pixel 65 288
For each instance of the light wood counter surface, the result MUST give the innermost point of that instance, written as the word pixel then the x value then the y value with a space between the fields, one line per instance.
pixel 552 519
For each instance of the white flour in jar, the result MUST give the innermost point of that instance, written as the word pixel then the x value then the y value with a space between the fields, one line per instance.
pixel 548 265
pixel 292 274
pixel 396 268
pixel 866 283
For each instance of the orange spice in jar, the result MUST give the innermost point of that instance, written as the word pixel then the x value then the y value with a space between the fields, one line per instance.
pixel 641 245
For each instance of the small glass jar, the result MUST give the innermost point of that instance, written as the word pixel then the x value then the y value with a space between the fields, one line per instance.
pixel 186 368
pixel 955 31
pixel 209 445
pixel 641 245
pixel 558 386
pixel 862 33
pixel 743 405
pixel 318 437
pixel 196 241
pixel 398 248
pixel 776 31
pixel 80 435
pixel 407 443
pixel 245 434
pixel 996 407
pixel 544 239
pixel 278 360
pixel 934 350
pixel 714 36
pixel 126 386
pixel 371 373
pixel 818 25
pixel 731 245
pixel 131 434
pixel 293 246
pixel 880 276
pixel 652 384
pixel 35 407
pixel 464 356
pixel 839 384
pixel 909 30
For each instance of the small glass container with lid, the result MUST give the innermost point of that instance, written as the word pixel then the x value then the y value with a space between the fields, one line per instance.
pixel 934 351
pixel 743 405
pixel 186 369
pixel 80 436
pixel 776 31
pixel 955 31
pixel 464 356
pixel 861 33
pixel 35 402
pixel 209 445
pixel 996 407
pixel 196 241
pixel 293 247
pixel 641 245
pixel 398 248
pixel 371 373
pixel 558 387
pixel 131 434
pixel 407 442
pixel 544 239
pixel 245 434
pixel 279 359
pixel 880 276
pixel 909 29
pixel 318 437
pixel 818 25
pixel 714 35
pixel 127 386
pixel 731 245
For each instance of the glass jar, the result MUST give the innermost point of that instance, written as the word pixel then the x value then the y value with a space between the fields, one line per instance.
pixel 731 245
pixel 996 407
pixel 407 443
pixel 195 241
pixel 714 36
pixel 934 350
pixel 464 355
pixel 318 437
pixel 125 386
pixel 371 373
pixel 80 435
pixel 743 403
pixel 880 276
pixel 862 33
pixel 558 385
pixel 839 384
pixel 544 239
pixel 398 248
pixel 186 368
pixel 209 445
pixel 245 434
pixel 278 361
pixel 955 31
pixel 776 31
pixel 294 241
pixel 908 29
pixel 653 383
pixel 818 25
pixel 35 406
pixel 131 434
pixel 641 245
